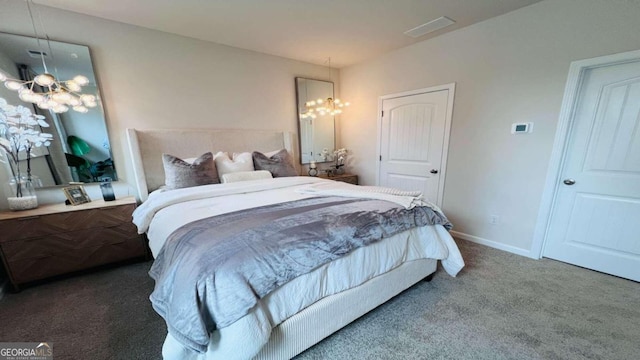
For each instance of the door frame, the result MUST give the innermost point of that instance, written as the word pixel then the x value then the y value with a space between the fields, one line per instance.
pixel 447 130
pixel 572 90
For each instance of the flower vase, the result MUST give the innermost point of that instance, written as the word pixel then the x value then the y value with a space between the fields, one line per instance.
pixel 21 194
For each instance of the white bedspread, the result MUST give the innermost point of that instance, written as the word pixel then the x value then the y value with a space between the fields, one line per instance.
pixel 164 212
pixel 407 199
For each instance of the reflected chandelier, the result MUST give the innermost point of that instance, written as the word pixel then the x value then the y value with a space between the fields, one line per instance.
pixel 57 96
pixel 51 94
pixel 323 107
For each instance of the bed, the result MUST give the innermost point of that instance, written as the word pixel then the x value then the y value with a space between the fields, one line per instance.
pixel 308 307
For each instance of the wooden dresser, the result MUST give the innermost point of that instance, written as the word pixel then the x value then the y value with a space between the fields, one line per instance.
pixel 58 239
pixel 348 178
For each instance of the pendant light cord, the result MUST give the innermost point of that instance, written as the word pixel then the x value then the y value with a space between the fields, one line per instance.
pixel 35 32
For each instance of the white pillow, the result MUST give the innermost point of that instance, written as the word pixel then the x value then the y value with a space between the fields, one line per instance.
pixel 240 162
pixel 245 176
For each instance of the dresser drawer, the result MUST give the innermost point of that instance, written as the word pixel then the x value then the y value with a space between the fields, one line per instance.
pixel 351 179
pixel 55 239
pixel 29 269
pixel 42 225
pixel 348 178
pixel 68 242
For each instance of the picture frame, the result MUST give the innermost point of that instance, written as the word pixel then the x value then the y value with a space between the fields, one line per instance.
pixel 76 194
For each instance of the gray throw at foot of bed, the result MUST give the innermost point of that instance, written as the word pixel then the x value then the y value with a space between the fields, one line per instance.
pixel 213 271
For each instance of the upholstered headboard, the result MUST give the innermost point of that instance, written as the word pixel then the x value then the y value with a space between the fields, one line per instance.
pixel 147 147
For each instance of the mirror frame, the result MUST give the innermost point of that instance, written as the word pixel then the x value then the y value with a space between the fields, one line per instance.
pixel 101 107
pixel 299 104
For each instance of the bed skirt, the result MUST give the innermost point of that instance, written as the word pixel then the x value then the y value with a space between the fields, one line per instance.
pixel 328 315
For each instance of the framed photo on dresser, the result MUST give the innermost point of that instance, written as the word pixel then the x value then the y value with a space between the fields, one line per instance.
pixel 76 194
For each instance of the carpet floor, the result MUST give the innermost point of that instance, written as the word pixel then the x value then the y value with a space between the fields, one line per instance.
pixel 501 306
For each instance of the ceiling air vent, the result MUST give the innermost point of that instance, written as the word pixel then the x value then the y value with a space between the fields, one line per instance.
pixel 431 26
pixel 36 54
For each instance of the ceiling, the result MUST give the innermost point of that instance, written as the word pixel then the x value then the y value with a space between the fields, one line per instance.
pixel 348 31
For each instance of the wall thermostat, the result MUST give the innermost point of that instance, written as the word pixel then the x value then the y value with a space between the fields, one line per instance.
pixel 521 128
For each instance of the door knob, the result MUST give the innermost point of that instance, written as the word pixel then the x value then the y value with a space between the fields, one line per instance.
pixel 434 171
pixel 569 181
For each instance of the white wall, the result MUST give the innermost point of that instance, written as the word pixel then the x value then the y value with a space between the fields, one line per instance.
pixel 151 79
pixel 508 69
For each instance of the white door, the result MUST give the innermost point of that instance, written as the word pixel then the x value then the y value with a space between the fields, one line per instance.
pixel 306 140
pixel 413 141
pixel 595 221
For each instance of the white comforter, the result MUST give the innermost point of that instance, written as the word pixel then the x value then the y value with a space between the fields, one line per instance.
pixel 164 212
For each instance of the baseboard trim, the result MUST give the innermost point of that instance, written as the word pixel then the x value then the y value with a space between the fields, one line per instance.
pixel 494 244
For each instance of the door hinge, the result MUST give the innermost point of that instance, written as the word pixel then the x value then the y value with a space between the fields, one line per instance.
pixel 380 157
pixel 382 114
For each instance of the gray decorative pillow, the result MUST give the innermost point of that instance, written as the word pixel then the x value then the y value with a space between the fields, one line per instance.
pixel 180 174
pixel 279 164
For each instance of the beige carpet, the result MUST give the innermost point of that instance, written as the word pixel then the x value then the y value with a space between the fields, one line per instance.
pixel 501 306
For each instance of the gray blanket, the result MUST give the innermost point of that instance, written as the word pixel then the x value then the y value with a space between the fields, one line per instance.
pixel 212 272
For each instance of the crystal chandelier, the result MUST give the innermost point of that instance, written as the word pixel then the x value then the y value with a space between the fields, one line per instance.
pixel 51 94
pixel 321 107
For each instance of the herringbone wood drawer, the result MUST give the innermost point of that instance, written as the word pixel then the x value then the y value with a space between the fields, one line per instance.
pixel 68 242
pixel 37 226
pixel 25 270
pixel 55 239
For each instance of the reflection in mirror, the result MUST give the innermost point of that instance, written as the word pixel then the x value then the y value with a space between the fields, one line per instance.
pixel 80 150
pixel 316 134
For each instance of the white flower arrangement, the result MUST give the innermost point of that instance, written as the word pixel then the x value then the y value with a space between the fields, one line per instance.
pixel 324 154
pixel 340 155
pixel 20 133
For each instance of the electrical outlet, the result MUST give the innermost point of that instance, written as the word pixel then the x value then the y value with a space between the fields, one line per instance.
pixel 494 219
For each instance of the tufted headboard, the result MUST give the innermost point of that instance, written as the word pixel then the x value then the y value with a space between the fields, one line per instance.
pixel 147 147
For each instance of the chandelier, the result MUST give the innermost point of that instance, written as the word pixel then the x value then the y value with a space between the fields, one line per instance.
pixel 55 95
pixel 51 94
pixel 321 107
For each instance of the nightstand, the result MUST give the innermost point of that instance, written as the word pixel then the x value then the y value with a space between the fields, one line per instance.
pixel 348 178
pixel 57 239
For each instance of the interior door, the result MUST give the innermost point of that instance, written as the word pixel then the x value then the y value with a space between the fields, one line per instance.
pixel 306 140
pixel 412 140
pixel 595 221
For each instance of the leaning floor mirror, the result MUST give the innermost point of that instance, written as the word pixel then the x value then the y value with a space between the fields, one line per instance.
pixel 316 129
pixel 80 149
